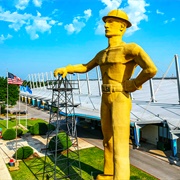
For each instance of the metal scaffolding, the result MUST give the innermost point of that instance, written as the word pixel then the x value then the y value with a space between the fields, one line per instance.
pixel 62 153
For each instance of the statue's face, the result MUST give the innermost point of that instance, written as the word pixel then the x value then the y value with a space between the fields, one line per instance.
pixel 114 27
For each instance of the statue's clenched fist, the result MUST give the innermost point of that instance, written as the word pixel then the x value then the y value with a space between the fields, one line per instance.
pixel 130 86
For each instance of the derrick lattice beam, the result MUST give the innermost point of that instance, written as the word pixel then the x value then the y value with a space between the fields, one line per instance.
pixel 62 153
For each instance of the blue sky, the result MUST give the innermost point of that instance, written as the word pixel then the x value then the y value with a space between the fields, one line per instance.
pixel 41 35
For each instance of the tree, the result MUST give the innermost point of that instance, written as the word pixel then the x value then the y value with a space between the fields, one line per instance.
pixel 13 92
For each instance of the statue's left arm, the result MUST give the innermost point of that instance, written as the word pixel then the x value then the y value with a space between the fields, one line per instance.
pixel 78 68
pixel 148 69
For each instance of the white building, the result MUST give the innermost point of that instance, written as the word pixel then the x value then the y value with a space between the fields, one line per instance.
pixel 155 115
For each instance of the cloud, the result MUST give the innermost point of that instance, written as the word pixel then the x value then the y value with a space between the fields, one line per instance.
pixel 55 11
pixel 16 20
pixel 3 38
pixel 169 21
pixel 39 25
pixel 37 3
pixel 136 13
pixel 135 10
pixel 32 24
pixel 88 14
pixel 52 22
pixel 166 21
pixel 38 13
pixel 22 4
pixel 158 12
pixel 59 23
pixel 78 22
pixel 109 5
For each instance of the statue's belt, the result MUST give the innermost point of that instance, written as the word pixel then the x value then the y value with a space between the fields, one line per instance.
pixel 109 88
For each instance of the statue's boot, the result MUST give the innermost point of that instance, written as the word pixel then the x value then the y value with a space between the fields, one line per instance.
pixel 104 177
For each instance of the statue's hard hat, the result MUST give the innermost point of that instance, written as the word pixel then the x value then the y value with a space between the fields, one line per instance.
pixel 117 13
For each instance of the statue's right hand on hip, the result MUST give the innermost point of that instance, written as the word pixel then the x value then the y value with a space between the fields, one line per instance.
pixel 130 86
pixel 60 71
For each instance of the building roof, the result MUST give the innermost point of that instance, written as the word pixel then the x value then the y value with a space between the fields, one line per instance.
pixel 164 106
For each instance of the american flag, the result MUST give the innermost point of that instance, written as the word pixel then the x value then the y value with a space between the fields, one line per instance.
pixel 12 79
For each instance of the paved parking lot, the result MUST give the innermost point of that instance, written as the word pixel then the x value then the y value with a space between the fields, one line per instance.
pixel 33 112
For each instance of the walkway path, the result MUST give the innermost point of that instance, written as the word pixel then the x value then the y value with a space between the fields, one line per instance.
pixel 4 173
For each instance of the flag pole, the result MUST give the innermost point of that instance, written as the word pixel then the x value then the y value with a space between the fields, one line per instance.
pixel 19 107
pixel 26 111
pixel 16 140
pixel 7 102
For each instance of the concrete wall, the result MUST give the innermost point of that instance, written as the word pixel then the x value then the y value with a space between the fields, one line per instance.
pixel 150 133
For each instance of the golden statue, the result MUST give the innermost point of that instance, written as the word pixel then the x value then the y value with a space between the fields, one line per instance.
pixel 117 63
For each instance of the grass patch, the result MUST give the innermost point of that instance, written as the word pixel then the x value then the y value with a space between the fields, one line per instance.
pixel 23 173
pixel 12 123
pixel 91 164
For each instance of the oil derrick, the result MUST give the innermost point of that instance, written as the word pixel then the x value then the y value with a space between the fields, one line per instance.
pixel 62 154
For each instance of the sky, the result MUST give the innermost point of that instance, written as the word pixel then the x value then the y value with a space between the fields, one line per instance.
pixel 41 35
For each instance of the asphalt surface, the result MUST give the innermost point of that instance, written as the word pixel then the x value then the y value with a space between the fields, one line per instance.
pixel 145 161
pixel 152 164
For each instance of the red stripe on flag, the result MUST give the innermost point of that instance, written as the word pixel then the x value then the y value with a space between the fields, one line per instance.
pixel 12 79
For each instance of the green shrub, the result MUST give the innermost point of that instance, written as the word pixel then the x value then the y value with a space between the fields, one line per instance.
pixel 54 109
pixel 9 134
pixel 63 142
pixel 51 127
pixel 24 152
pixel 39 128
pixel 29 127
pixel 19 132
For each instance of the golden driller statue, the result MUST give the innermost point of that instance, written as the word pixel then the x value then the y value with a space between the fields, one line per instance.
pixel 117 63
